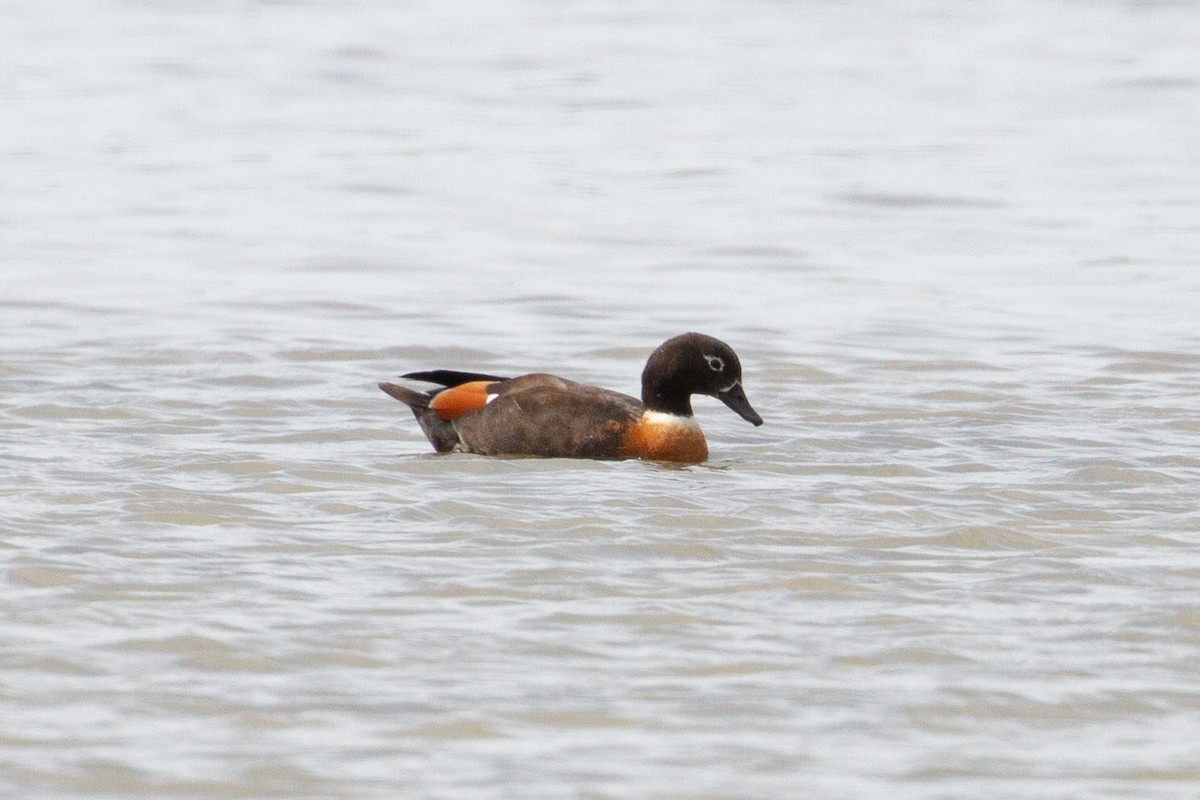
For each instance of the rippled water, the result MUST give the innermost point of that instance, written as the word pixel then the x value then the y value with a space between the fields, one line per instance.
pixel 955 247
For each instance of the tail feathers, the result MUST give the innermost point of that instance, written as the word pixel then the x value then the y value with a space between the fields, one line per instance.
pixel 440 433
pixel 448 377
pixel 417 401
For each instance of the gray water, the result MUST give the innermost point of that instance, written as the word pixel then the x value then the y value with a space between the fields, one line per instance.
pixel 956 246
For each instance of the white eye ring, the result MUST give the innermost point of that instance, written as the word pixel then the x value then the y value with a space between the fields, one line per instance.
pixel 715 363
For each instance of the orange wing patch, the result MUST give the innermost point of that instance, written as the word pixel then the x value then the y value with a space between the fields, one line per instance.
pixel 657 440
pixel 454 402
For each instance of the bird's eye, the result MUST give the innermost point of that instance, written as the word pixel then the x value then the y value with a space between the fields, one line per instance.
pixel 715 363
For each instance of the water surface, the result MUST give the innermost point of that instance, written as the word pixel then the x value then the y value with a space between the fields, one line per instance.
pixel 955 248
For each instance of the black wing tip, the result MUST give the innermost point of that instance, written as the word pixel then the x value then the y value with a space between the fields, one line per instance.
pixel 449 377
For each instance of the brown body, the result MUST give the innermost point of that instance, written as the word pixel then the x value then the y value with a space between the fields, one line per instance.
pixel 541 415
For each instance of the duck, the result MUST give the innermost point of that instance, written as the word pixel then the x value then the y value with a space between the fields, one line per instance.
pixel 544 415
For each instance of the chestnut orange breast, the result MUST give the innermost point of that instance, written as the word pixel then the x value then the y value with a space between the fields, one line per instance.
pixel 664 437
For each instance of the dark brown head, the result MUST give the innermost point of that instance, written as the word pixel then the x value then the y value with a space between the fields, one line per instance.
pixel 693 363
